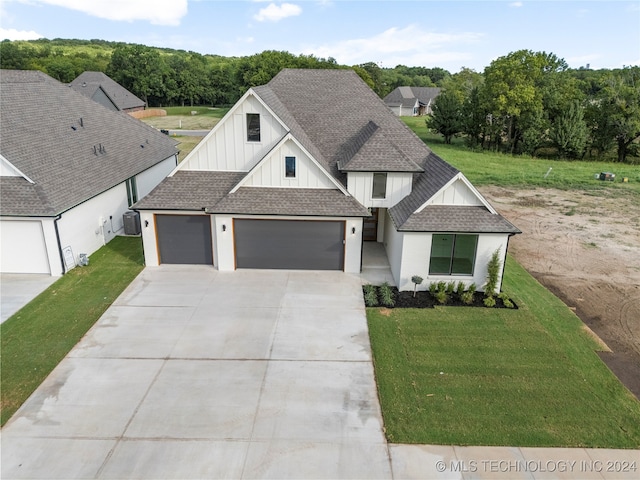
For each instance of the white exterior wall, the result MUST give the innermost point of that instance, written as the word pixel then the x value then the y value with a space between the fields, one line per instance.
pixel 226 147
pixel 29 245
pixel 224 246
pixel 150 178
pixel 94 223
pixel 271 173
pixel 360 186
pixel 393 244
pixel 416 251
pixel 458 193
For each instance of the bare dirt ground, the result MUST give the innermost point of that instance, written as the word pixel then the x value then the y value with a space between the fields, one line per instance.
pixel 585 249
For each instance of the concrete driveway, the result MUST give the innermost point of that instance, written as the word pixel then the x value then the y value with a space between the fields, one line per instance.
pixel 18 289
pixel 194 373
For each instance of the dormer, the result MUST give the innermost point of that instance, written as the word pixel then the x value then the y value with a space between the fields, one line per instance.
pixel 379 174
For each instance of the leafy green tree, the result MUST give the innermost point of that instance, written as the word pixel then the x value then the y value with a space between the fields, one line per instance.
pixel 12 57
pixel 569 133
pixel 446 116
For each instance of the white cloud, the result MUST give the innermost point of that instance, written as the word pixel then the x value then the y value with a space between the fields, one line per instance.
pixel 13 34
pixel 157 12
pixel 407 46
pixel 516 4
pixel 275 13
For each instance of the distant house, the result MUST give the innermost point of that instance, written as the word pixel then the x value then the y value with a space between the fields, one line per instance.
pixel 69 170
pixel 411 101
pixel 301 171
pixel 107 92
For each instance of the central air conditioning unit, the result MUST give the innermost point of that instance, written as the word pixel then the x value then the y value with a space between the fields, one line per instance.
pixel 131 222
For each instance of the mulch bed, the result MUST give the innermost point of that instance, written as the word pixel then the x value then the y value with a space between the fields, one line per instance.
pixel 424 299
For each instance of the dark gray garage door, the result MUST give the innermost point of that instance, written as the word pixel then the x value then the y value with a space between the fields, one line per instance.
pixel 184 239
pixel 288 244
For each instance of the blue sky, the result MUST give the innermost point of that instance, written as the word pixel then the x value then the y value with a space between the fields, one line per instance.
pixel 448 34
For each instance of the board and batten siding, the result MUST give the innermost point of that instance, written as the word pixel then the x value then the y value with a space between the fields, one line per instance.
pixel 226 148
pixel 458 193
pixel 271 173
pixel 360 186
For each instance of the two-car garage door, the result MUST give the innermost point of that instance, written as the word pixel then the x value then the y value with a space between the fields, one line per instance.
pixel 289 244
pixel 263 244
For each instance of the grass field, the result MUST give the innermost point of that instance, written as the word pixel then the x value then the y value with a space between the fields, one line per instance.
pixel 37 337
pixel 474 376
pixel 491 168
pixel 181 118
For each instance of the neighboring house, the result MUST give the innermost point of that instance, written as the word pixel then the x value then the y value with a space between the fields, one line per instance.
pixel 69 170
pixel 411 101
pixel 304 169
pixel 107 92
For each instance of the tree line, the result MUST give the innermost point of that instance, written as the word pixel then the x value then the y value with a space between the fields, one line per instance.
pixel 524 102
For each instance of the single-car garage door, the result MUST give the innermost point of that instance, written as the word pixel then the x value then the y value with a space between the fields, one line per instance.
pixel 184 239
pixel 23 247
pixel 289 244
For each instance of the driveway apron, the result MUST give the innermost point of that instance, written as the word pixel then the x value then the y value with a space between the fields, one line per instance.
pixel 195 373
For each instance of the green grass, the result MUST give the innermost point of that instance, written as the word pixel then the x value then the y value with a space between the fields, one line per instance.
pixel 491 168
pixel 37 337
pixel 180 118
pixel 473 376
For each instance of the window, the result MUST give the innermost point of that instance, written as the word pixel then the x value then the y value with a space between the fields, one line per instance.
pixel 290 167
pixel 379 185
pixel 253 127
pixel 132 191
pixel 453 254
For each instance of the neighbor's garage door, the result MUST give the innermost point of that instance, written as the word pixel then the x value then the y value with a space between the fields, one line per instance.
pixel 289 244
pixel 23 247
pixel 184 239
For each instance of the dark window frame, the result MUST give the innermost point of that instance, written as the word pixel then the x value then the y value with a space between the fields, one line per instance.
pixel 253 131
pixel 290 169
pixel 379 195
pixel 132 191
pixel 452 269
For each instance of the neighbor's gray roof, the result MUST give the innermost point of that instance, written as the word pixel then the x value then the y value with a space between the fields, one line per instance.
pixel 190 190
pixel 406 96
pixel 454 218
pixel 88 82
pixel 321 202
pixel 48 131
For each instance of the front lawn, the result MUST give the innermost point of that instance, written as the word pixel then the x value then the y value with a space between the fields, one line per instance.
pixel 474 376
pixel 37 337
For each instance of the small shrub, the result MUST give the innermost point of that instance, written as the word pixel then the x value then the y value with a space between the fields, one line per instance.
pixel 467 297
pixel 493 272
pixel 433 288
pixel 417 280
pixel 442 286
pixel 506 301
pixel 442 297
pixel 489 301
pixel 386 295
pixel 472 288
pixel 370 295
pixel 451 287
pixel 460 288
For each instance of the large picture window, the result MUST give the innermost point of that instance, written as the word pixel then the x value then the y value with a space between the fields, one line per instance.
pixel 379 185
pixel 453 254
pixel 253 127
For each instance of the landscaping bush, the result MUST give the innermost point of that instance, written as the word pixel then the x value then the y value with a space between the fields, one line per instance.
pixel 467 297
pixel 386 295
pixel 433 288
pixel 370 295
pixel 451 287
pixel 460 289
pixel 417 280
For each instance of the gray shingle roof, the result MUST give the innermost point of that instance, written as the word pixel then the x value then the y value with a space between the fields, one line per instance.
pixel 190 190
pixel 290 201
pixel 88 82
pixel 406 96
pixel 49 131
pixel 453 218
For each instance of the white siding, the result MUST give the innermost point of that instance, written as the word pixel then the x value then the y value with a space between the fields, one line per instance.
pixel 28 246
pixel 416 251
pixel 94 223
pixel 393 245
pixel 271 172
pixel 458 193
pixel 360 185
pixel 150 178
pixel 226 148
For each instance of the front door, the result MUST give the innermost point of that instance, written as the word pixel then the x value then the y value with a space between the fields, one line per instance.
pixel 370 227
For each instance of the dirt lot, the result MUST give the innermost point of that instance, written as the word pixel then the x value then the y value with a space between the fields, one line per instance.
pixel 585 249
